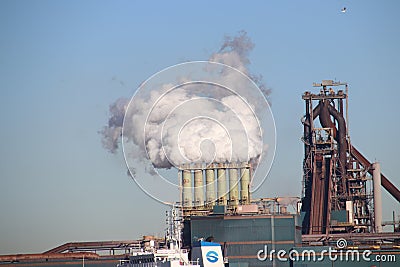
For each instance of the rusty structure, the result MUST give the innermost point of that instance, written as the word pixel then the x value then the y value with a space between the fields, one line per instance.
pixel 338 193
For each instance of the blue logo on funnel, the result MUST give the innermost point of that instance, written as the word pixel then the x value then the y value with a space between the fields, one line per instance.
pixel 212 256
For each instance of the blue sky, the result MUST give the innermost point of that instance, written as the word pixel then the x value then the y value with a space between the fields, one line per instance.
pixel 63 62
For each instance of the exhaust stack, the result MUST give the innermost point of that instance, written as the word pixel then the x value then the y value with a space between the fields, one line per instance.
pixel 245 184
pixel 376 177
pixel 198 187
pixel 233 186
pixel 210 186
pixel 200 190
pixel 186 188
pixel 221 182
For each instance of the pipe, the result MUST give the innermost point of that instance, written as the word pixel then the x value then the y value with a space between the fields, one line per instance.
pixel 49 256
pixel 244 184
pixel 198 187
pixel 307 127
pixel 339 134
pixel 233 186
pixel 325 116
pixel 391 188
pixel 309 117
pixel 210 187
pixel 349 208
pixel 316 111
pixel 376 177
pixel 187 188
pixel 93 245
pixel 221 183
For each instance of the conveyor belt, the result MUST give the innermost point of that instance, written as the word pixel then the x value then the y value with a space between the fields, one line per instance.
pixel 95 246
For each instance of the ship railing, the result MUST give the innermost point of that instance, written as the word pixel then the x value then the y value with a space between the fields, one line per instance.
pixel 191 263
pixel 123 263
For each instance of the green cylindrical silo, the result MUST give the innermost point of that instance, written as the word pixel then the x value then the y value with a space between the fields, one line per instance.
pixel 210 187
pixel 198 187
pixel 187 188
pixel 221 183
pixel 245 184
pixel 233 185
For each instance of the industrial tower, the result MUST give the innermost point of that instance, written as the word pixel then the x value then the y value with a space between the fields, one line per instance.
pixel 341 188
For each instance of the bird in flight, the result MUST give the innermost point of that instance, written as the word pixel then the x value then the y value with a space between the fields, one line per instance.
pixel 343 10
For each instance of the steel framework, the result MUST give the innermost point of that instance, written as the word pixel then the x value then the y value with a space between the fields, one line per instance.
pixel 337 193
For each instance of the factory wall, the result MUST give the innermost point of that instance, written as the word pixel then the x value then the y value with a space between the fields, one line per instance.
pixel 243 236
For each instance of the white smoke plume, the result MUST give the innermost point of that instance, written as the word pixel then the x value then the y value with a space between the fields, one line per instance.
pixel 112 132
pixel 195 122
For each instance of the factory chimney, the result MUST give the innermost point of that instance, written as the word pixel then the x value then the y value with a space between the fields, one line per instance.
pixel 233 185
pixel 245 183
pixel 186 187
pixel 221 183
pixel 201 190
pixel 198 186
pixel 210 186
pixel 376 177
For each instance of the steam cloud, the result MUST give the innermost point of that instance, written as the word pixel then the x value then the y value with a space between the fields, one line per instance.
pixel 195 122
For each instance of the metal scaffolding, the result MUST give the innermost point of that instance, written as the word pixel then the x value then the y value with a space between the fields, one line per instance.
pixel 337 194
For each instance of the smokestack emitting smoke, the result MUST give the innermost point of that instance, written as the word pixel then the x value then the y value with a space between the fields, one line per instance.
pixel 196 122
